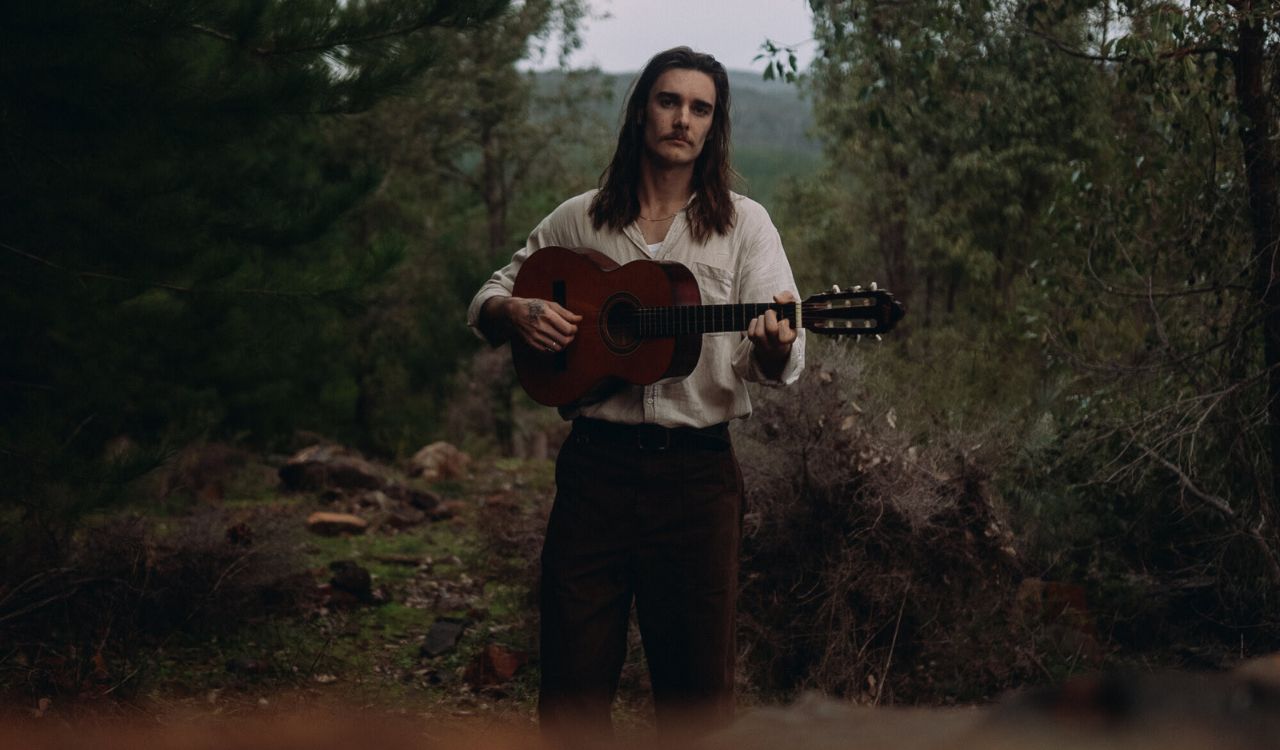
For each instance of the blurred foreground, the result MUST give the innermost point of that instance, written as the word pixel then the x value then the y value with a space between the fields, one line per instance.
pixel 1240 709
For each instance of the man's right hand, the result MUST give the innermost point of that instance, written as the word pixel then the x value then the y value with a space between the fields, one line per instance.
pixel 542 324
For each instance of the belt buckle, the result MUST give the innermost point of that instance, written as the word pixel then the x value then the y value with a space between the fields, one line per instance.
pixel 652 437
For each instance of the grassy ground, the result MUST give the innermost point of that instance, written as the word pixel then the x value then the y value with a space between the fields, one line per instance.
pixel 370 654
pixel 478 566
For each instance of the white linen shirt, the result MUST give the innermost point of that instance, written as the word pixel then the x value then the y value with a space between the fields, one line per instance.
pixel 743 266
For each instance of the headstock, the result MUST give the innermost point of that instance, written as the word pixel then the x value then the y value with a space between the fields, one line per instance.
pixel 857 311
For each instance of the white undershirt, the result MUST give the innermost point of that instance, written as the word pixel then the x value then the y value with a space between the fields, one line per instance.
pixel 654 248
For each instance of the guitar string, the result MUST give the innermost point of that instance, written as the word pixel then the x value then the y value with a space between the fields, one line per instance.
pixel 713 318
pixel 654 319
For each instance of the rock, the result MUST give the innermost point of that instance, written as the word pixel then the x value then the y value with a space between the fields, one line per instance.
pixel 420 499
pixel 447 509
pixel 337 600
pixel 443 636
pixel 321 467
pixel 439 460
pixel 404 519
pixel 375 499
pixel 333 524
pixel 495 665
pixel 352 578
pixel 42 707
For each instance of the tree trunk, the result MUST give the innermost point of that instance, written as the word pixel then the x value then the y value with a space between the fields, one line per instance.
pixel 892 233
pixel 494 193
pixel 1261 167
pixel 929 279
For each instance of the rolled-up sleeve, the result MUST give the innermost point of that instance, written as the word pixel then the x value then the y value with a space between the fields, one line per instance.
pixel 499 284
pixel 558 228
pixel 763 271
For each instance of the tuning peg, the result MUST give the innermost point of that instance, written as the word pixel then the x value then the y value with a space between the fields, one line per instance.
pixel 879 338
pixel 873 286
pixel 835 288
pixel 857 287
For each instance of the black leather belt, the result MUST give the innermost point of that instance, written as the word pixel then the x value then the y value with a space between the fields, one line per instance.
pixel 652 437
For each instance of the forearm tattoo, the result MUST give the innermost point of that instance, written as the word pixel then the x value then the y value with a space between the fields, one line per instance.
pixel 533 311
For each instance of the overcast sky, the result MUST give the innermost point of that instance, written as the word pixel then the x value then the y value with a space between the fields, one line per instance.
pixel 732 30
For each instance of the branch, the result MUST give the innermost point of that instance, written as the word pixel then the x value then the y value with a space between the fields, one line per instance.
pixel 224 36
pixel 1152 293
pixel 1069 50
pixel 1185 423
pixel 884 673
pixel 318 46
pixel 1213 501
pixel 35 583
pixel 82 275
pixel 1176 54
pixel 1223 508
pixel 272 52
pixel 1159 366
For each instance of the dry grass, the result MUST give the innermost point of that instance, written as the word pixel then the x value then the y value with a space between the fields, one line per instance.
pixel 877 566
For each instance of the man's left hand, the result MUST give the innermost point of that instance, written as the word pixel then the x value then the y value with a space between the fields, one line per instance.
pixel 772 338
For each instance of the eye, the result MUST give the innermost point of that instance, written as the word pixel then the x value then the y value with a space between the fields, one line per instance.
pixel 666 100
pixel 702 109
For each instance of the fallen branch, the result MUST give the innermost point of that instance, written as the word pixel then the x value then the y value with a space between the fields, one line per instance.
pixel 1223 508
pixel 884 673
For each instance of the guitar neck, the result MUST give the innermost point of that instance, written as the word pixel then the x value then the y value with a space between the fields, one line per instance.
pixel 651 322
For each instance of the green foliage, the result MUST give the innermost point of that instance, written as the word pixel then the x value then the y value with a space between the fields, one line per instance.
pixel 169 250
pixel 946 133
pixel 1064 194
pixel 1168 424
pixel 473 156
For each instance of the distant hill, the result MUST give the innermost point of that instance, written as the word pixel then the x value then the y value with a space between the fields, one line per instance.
pixel 771 128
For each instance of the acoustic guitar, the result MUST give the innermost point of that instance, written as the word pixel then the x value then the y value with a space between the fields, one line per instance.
pixel 643 321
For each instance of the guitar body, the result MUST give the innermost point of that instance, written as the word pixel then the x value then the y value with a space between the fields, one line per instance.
pixel 605 348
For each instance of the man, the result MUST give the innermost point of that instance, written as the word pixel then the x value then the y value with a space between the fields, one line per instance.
pixel 648 492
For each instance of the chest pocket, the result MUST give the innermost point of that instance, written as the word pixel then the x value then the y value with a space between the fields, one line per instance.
pixel 714 284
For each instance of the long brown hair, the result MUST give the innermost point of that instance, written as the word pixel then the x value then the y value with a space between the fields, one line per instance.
pixel 711 211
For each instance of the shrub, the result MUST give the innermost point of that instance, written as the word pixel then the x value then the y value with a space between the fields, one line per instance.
pixel 131 585
pixel 877 565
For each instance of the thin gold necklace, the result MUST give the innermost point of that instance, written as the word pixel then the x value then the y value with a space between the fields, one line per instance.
pixel 664 218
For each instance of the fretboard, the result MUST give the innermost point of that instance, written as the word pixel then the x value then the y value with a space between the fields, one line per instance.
pixel 689 319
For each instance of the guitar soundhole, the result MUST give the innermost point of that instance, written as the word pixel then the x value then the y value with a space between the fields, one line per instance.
pixel 618 323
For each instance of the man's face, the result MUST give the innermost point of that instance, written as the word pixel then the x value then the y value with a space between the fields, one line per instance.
pixel 678 116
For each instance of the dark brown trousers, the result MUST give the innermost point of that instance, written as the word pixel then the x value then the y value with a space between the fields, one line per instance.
pixel 662 527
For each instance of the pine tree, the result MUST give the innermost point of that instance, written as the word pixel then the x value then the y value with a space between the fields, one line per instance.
pixel 167 215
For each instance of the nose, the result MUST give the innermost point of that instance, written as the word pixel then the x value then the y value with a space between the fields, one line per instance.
pixel 682 116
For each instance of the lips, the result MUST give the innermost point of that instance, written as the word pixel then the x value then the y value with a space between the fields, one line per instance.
pixel 679 139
